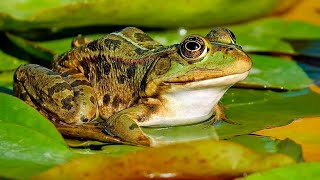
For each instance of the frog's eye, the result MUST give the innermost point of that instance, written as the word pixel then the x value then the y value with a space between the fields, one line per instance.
pixel 193 48
pixel 222 35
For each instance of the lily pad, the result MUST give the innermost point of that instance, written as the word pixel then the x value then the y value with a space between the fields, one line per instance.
pixel 6 79
pixel 9 62
pixel 291 172
pixel 71 13
pixel 111 150
pixel 31 48
pixel 253 110
pixel 276 73
pixel 197 159
pixel 271 145
pixel 29 143
pixel 304 131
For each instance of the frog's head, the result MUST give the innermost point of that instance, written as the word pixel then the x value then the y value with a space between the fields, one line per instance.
pixel 213 61
pixel 190 78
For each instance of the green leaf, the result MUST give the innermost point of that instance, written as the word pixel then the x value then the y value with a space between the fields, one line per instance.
pixel 276 73
pixel 6 79
pixel 72 13
pixel 290 172
pixel 290 148
pixel 9 62
pixel 206 158
pixel 253 110
pixel 31 48
pixel 59 46
pixel 110 150
pixel 285 29
pixel 29 143
pixel 271 145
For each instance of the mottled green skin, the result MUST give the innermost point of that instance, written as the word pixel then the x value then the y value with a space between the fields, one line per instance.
pixel 119 78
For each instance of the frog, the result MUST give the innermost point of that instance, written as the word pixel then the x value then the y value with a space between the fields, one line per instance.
pixel 107 89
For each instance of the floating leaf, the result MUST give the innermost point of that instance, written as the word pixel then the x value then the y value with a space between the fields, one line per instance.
pixel 31 48
pixel 197 159
pixel 29 143
pixel 276 73
pixel 70 13
pixel 9 62
pixel 304 131
pixel 271 145
pixel 253 110
pixel 290 172
pixel 111 150
pixel 6 79
pixel 306 11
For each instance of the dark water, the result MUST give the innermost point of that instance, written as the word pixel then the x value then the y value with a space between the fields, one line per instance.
pixel 309 57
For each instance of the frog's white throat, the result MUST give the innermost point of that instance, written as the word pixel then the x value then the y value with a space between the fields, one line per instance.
pixel 192 102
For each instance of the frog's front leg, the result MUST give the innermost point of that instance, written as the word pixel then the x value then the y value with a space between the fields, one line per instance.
pixel 125 123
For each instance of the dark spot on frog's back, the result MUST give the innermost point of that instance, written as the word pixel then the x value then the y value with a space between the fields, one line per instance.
pixel 66 102
pixel 116 101
pixel 58 87
pixel 106 99
pixel 140 51
pixel 131 71
pixel 112 44
pixel 80 82
pixel 142 37
pixel 121 79
pixel 51 73
pixel 103 68
pixel 70 72
pixel 93 100
pixel 93 46
pixel 84 119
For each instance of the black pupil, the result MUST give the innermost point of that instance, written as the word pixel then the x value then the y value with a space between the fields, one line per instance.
pixel 193 45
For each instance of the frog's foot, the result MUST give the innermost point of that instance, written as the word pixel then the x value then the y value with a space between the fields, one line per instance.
pixel 80 40
pixel 89 131
pixel 124 126
pixel 221 116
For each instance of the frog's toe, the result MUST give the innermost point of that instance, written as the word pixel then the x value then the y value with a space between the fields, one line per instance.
pixel 221 116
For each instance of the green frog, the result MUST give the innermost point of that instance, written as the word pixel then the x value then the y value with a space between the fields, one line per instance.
pixel 107 89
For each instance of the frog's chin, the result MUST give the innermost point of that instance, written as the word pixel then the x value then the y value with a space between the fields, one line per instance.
pixel 191 102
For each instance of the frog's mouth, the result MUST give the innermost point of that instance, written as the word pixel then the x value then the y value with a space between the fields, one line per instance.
pixel 207 82
pixel 192 102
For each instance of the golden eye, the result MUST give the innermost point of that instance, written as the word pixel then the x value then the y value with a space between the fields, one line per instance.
pixel 222 35
pixel 193 48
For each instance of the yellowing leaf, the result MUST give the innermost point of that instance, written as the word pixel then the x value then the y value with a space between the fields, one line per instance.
pixel 304 10
pixel 207 158
pixel 304 131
